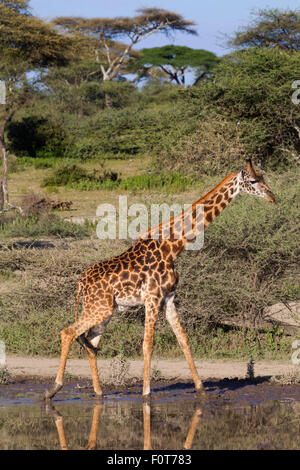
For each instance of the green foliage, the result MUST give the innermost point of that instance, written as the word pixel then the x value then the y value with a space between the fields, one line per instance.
pixel 169 182
pixel 78 178
pixel 24 37
pixel 36 136
pixel 120 93
pixel 271 28
pixel 79 88
pixel 174 61
pixel 177 56
pixel 73 175
pixel 87 148
pixel 247 110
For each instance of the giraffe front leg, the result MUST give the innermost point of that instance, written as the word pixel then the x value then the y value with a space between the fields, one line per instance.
pixel 152 309
pixel 67 338
pixel 183 341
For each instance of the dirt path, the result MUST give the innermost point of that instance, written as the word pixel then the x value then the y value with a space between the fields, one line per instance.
pixel 47 367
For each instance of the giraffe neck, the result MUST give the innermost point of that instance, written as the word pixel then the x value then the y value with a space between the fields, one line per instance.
pixel 186 226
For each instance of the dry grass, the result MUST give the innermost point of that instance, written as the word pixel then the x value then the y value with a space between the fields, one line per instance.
pixel 249 261
pixel 5 376
pixel 287 379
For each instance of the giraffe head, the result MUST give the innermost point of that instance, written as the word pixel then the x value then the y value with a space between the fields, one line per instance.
pixel 253 183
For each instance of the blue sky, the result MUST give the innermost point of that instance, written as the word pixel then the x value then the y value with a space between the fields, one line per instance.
pixel 212 17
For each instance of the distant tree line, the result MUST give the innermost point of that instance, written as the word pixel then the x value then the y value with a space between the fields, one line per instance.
pixel 71 90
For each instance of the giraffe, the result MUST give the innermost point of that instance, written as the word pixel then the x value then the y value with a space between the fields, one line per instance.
pixel 145 275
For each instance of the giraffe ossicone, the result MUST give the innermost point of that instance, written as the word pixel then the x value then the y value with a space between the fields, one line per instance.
pixel 145 275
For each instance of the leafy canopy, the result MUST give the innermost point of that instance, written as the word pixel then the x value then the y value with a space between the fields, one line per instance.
pixel 271 28
pixel 148 20
pixel 28 39
pixel 176 56
pixel 173 60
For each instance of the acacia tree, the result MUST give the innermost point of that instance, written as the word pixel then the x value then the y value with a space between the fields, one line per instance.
pixel 174 61
pixel 107 30
pixel 26 44
pixel 270 28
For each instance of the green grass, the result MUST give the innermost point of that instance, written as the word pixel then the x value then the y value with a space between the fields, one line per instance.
pixel 76 177
pixel 38 335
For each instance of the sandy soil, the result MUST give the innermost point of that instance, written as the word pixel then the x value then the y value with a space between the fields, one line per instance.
pixel 169 369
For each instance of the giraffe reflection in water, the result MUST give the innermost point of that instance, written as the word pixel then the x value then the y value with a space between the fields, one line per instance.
pixel 92 441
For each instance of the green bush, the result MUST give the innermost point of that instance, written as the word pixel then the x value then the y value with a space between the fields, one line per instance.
pixel 78 178
pixel 169 182
pixel 36 136
pixel 120 94
pixel 252 93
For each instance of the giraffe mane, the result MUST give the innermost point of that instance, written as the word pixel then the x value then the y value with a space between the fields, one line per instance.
pixel 202 199
pixel 212 191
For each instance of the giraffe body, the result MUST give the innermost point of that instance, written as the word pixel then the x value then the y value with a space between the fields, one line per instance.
pixel 145 275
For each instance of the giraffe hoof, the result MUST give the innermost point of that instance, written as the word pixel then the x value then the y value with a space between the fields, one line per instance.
pixel 201 393
pixel 146 397
pixel 50 393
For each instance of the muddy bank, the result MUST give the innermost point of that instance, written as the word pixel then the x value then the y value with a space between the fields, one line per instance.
pixel 168 369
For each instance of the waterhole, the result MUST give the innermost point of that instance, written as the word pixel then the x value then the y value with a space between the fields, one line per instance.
pixel 235 414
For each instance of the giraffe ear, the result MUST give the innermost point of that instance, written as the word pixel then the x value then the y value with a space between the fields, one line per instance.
pixel 249 163
pixel 243 174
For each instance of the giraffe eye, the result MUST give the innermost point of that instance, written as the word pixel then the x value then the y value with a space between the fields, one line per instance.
pixel 254 181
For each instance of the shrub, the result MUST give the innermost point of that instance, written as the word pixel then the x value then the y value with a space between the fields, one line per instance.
pixel 36 136
pixel 77 177
pixel 252 88
pixel 74 176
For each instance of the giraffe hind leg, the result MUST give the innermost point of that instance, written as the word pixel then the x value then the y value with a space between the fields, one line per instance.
pixel 83 341
pixel 183 341
pixel 92 339
pixel 68 336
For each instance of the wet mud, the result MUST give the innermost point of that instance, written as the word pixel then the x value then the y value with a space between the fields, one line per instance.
pixel 235 414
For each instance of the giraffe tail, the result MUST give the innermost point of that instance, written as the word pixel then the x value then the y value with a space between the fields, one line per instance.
pixel 77 296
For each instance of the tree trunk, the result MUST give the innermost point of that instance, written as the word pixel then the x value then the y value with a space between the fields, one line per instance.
pixel 107 101
pixel 3 184
pixel 1 198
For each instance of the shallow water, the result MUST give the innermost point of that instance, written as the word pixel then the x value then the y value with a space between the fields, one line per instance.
pixel 235 415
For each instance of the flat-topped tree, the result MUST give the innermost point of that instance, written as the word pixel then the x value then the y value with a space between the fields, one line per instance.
pixel 148 21
pixel 174 61
pixel 271 28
